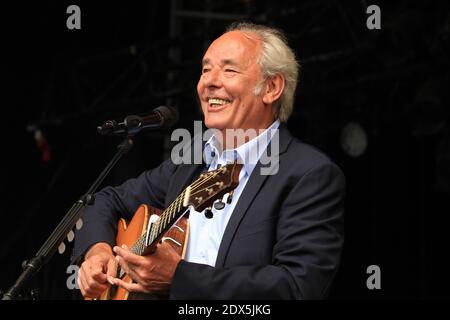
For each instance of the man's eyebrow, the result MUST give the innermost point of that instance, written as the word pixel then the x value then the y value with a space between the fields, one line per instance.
pixel 222 62
pixel 229 62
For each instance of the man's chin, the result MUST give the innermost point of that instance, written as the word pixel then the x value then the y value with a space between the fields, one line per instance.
pixel 217 124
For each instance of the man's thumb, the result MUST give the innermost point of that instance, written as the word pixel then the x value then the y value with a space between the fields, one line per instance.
pixel 112 268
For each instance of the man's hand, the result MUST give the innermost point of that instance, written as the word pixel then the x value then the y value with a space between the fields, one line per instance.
pixel 92 277
pixel 152 273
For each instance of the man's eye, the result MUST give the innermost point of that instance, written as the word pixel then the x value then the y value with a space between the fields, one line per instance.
pixel 204 70
pixel 230 70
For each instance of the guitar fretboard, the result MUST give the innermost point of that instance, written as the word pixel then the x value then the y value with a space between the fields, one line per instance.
pixel 166 220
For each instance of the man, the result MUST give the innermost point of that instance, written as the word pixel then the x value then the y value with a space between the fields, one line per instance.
pixel 282 234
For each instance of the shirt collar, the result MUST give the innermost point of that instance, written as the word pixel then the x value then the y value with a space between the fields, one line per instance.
pixel 248 153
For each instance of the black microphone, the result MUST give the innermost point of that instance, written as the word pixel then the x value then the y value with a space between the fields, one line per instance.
pixel 160 118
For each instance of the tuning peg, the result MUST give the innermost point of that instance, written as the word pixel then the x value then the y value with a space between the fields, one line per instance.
pixel 219 205
pixel 230 197
pixel 61 248
pixel 79 224
pixel 70 236
pixel 208 213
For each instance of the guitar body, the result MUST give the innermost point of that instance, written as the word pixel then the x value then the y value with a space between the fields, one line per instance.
pixel 129 233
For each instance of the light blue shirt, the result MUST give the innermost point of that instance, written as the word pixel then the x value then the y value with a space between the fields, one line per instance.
pixel 206 234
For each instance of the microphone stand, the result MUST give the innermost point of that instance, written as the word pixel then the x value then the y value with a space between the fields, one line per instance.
pixel 32 266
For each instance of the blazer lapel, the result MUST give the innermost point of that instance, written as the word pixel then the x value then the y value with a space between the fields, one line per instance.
pixel 247 196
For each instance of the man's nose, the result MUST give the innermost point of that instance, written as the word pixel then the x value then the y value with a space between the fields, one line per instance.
pixel 213 79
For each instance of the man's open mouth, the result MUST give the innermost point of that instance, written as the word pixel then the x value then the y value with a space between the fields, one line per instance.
pixel 216 102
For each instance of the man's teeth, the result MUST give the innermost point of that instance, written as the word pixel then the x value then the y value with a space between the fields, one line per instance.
pixel 217 101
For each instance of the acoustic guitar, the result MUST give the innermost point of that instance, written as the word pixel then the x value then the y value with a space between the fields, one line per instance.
pixel 149 225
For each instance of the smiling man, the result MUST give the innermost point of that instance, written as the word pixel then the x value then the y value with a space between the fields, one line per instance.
pixel 279 237
pixel 230 87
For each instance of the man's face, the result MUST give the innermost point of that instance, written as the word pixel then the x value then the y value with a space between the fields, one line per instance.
pixel 226 87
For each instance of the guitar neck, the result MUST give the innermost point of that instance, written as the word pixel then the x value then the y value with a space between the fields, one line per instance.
pixel 146 244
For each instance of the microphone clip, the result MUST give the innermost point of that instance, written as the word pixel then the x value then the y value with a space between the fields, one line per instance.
pixel 130 126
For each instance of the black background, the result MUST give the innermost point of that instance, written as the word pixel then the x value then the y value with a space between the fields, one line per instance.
pixel 132 57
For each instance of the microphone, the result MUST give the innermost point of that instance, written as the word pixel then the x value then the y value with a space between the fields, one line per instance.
pixel 160 118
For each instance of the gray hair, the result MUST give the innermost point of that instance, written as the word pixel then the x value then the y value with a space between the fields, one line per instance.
pixel 276 58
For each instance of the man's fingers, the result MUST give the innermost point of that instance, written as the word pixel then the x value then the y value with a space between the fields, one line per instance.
pixel 89 285
pixel 86 290
pixel 97 274
pixel 111 272
pixel 110 279
pixel 124 265
pixel 82 278
pixel 128 256
pixel 112 268
pixel 130 287
pixel 81 286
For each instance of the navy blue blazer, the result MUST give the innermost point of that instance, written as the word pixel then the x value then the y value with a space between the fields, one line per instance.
pixel 284 238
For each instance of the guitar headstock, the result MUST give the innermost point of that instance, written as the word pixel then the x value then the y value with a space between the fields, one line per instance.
pixel 213 185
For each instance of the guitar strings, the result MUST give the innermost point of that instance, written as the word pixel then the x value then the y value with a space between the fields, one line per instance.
pixel 195 184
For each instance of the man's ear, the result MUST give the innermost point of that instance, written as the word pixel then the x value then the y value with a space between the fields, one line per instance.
pixel 273 88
